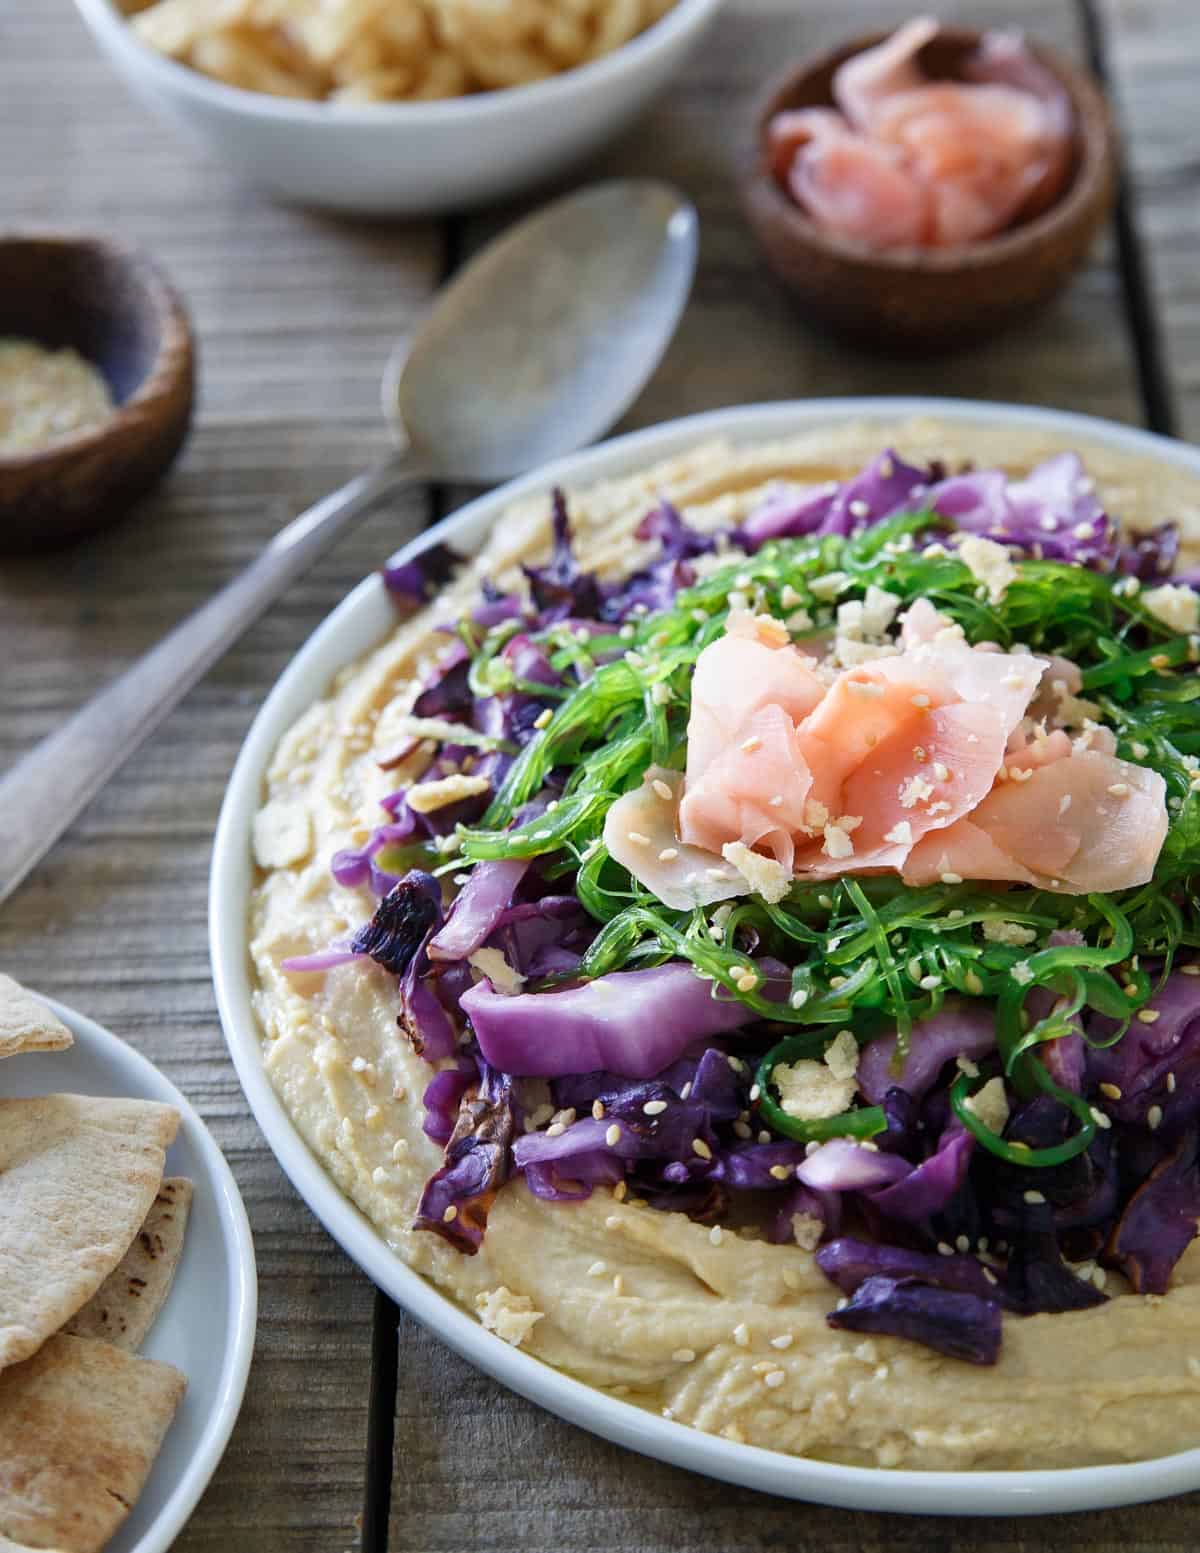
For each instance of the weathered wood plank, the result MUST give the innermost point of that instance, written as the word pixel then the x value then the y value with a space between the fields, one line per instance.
pixel 295 315
pixel 1154 47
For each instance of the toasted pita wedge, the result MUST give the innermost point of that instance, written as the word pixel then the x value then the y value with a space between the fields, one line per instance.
pixel 127 1303
pixel 77 1178
pixel 80 1425
pixel 26 1024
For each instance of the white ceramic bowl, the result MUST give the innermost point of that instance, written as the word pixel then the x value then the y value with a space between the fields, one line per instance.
pixel 405 158
pixel 206 1328
pixel 360 623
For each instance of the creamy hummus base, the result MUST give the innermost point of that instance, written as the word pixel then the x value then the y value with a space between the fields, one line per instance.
pixel 713 1328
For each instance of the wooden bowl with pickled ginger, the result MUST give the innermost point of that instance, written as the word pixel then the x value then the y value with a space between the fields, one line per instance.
pixel 933 293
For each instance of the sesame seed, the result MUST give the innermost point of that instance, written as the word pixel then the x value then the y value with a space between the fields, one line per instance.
pixel 859 509
pixel 715 1235
pixel 654 1107
pixel 747 981
pixel 543 718
pixel 1099 1277
pixel 684 1355
pixel 618 1285
pixel 941 772
pixel 864 687
pixel 1170 1083
pixel 1101 1118
pixel 1190 970
pixel 921 700
pixel 717 873
pixel 598 1110
pixel 774 1379
pixel 798 998
pixel 1119 789
pixel 945 1249
pixel 660 693
pixel 779 1172
pixel 619 1191
pixel 450 1214
pixel 700 1147
pixel 928 983
pixel 1149 1016
pixel 743 1130
pixel 668 854
pixel 1154 1117
pixel 741 1335
pixel 962 1244
pixel 951 878
pixel 555 1130
pixel 637 838
pixel 1160 660
pixel 784 1340
pixel 755 1093
pixel 1032 1197
pixel 662 789
pixel 1113 1091
pixel 613 1136
pixel 597 1270
pixel 751 744
pixel 764 1136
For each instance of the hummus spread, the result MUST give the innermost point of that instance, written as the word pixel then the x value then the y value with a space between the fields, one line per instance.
pixel 712 1327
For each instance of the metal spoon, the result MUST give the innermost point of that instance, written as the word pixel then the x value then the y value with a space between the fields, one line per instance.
pixel 535 349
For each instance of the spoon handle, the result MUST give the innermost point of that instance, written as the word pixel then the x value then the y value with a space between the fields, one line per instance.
pixel 45 790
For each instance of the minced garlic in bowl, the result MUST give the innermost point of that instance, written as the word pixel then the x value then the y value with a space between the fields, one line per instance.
pixel 46 395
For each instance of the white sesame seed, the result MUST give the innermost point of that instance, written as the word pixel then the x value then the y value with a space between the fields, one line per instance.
pixel 1119 789
pixel 1170 1083
pixel 701 1148
pixel 715 1235
pixel 668 854
pixel 798 998
pixel 1101 1118
pixel 746 982
pixel 543 718
pixel 618 1285
pixel 1149 1016
pixel 555 1130
pixel 684 1355
pixel 1099 1277
pixel 1033 1197
pixel 751 744
pixel 450 1214
pixel 784 1340
pixel 654 1107
pixel 944 1248
pixel 779 1172
pixel 613 1136
pixel 1154 1117
pixel 928 983
pixel 921 700
pixel 952 879
pixel 662 789
pixel 597 1270
pixel 637 838
pixel 962 1243
pixel 741 1335
pixel 598 1110
pixel 755 1093
pixel 1113 1091
pixel 774 1378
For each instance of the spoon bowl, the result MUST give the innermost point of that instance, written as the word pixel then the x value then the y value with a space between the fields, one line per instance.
pixel 539 345
pixel 519 360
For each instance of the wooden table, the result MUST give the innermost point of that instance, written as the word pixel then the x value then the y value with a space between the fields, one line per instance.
pixel 295 313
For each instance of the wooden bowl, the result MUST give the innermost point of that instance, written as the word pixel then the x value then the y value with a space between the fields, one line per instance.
pixel 115 307
pixel 929 298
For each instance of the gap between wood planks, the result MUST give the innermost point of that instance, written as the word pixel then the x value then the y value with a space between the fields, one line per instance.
pixel 1158 412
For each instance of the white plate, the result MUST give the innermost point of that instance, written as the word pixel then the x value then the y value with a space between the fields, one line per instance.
pixel 358 624
pixel 206 1328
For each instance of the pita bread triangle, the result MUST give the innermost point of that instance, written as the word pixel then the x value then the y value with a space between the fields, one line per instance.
pixel 127 1303
pixel 26 1024
pixel 80 1425
pixel 77 1178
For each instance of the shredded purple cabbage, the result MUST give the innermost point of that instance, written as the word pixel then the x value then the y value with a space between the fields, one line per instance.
pixel 651 1073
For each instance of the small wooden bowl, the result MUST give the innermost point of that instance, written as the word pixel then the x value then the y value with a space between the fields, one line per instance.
pixel 929 298
pixel 116 308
